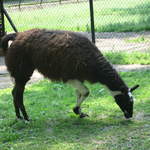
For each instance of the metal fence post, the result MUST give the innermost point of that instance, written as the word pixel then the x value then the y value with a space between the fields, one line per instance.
pixel 10 21
pixel 92 20
pixel 20 3
pixel 2 26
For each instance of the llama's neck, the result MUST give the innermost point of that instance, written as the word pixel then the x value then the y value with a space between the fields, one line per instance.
pixel 109 76
pixel 115 83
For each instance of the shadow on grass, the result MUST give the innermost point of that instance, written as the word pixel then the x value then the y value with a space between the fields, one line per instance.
pixel 137 10
pixel 143 23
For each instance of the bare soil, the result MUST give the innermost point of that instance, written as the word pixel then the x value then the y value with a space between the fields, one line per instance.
pixel 117 41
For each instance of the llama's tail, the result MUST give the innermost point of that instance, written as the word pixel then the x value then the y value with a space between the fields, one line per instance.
pixel 5 40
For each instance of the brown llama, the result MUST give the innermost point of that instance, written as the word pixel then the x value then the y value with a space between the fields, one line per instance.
pixel 61 56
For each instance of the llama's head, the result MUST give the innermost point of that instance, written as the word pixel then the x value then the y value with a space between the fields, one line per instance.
pixel 125 101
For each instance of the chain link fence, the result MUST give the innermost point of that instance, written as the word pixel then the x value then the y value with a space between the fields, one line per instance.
pixel 111 17
pixel 122 25
pixel 66 15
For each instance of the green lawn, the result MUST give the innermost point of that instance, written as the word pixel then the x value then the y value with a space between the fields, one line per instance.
pixel 55 127
pixel 140 39
pixel 112 15
pixel 128 57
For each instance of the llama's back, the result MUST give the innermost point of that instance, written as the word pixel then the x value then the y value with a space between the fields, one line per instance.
pixel 58 55
pixel 66 55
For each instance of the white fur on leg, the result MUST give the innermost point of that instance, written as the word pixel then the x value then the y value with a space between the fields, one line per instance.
pixel 82 90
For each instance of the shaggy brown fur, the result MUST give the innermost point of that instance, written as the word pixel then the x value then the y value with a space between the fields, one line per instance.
pixel 59 56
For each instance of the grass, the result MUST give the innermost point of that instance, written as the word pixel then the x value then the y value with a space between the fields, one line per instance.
pixel 128 57
pixel 55 127
pixel 112 15
pixel 140 39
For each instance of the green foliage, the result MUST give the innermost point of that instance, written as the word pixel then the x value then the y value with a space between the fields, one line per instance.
pixel 128 57
pixel 55 127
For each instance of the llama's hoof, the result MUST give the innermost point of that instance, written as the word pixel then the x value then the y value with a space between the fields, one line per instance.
pixel 77 110
pixel 26 119
pixel 82 115
pixel 19 118
pixel 23 119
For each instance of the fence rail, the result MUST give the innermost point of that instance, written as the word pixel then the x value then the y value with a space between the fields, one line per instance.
pixel 21 3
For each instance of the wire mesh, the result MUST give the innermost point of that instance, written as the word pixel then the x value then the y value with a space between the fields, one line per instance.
pixel 113 20
pixel 120 25
pixel 66 15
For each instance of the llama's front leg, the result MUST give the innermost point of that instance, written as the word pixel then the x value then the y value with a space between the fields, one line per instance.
pixel 82 92
pixel 80 98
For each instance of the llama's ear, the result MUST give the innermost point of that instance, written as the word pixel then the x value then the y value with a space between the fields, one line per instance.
pixel 134 87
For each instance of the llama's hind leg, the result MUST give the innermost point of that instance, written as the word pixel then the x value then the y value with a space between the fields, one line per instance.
pixel 82 93
pixel 16 104
pixel 17 93
pixel 20 81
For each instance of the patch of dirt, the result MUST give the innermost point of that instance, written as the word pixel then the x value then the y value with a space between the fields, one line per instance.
pixel 117 41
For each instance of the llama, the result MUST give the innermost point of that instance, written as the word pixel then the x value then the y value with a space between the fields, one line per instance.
pixel 62 56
